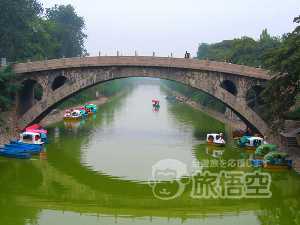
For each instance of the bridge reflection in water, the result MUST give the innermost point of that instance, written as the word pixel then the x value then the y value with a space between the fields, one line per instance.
pixel 65 186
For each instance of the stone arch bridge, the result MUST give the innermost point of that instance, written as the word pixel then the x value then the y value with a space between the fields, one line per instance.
pixel 85 72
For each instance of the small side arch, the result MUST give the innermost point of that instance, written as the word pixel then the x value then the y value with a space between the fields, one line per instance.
pixel 26 96
pixel 58 82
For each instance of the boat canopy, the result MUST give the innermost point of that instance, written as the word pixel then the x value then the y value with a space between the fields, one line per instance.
pixel 33 127
pixel 253 140
pixel 214 136
pixel 30 133
pixel 83 109
pixel 37 131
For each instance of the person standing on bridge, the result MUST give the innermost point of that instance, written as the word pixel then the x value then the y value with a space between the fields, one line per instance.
pixel 187 55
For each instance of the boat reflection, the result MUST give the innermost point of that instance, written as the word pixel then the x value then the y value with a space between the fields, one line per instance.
pixel 72 125
pixel 215 152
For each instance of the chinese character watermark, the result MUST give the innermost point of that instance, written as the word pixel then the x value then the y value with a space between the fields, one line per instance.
pixel 169 177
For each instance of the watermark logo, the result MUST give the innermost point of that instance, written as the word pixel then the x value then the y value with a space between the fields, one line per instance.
pixel 166 179
pixel 169 178
pixel 231 184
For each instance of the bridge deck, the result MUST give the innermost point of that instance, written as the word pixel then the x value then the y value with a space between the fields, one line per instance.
pixel 147 61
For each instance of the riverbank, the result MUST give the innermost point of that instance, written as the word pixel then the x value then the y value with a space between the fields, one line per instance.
pixel 51 118
pixel 58 115
pixel 293 152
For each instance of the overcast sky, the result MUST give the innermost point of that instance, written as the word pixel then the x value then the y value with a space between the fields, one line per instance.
pixel 176 26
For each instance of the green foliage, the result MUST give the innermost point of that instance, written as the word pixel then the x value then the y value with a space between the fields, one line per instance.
pixel 2 121
pixel 214 52
pixel 39 43
pixel 69 30
pixel 26 35
pixel 293 115
pixel 8 86
pixel 202 49
pixel 38 91
pixel 244 50
pixel 14 20
pixel 281 91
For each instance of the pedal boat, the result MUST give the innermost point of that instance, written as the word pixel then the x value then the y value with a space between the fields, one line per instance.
pixel 215 140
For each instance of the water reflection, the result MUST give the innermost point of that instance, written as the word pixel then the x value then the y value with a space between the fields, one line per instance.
pixel 99 171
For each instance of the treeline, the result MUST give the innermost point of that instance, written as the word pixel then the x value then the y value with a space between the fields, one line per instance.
pixel 30 32
pixel 244 50
pixel 107 89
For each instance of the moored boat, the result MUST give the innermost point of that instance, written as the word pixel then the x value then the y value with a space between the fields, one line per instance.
pixel 85 112
pixel 173 97
pixel 241 142
pixel 91 107
pixel 74 115
pixel 215 140
pixel 253 142
pixel 14 154
pixel 32 138
pixel 276 160
pixel 236 138
pixel 264 149
pixel 37 129
pixel 33 150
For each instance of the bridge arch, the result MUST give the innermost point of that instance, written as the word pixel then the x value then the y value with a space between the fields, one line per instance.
pixel 201 74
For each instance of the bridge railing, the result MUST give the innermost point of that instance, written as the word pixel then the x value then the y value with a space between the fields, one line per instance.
pixel 147 61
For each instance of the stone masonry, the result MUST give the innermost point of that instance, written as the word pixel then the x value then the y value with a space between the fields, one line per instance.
pixel 85 72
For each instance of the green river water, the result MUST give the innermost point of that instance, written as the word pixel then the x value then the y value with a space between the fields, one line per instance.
pixel 133 163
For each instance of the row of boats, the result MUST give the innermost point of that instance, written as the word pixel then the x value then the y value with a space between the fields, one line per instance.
pixel 33 138
pixel 30 143
pixel 74 115
pixel 265 155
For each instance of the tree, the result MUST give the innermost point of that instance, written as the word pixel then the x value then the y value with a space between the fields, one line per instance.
pixel 245 51
pixel 69 33
pixel 267 42
pixel 15 18
pixel 39 43
pixel 202 48
pixel 8 86
pixel 282 89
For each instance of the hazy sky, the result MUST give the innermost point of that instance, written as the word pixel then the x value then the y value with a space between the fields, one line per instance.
pixel 176 26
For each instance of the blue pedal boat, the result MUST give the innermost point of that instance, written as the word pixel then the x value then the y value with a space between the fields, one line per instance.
pixel 14 154
pixel 33 150
pixel 23 144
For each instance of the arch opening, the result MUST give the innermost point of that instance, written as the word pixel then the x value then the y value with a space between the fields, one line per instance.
pixel 26 96
pixel 256 102
pixel 58 82
pixel 38 92
pixel 229 86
